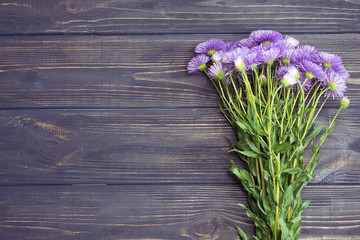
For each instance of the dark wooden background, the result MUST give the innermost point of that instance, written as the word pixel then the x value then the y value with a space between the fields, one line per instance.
pixel 104 136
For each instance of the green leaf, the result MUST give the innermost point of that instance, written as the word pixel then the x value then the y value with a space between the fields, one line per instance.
pixel 303 206
pixel 313 147
pixel 252 167
pixel 284 228
pixel 242 174
pixel 316 130
pixel 241 145
pixel 292 170
pixel 244 126
pixel 253 147
pixel 300 150
pixel 284 137
pixel 307 110
pixel 281 148
pixel 261 208
pixel 242 233
pixel 247 153
pixel 242 205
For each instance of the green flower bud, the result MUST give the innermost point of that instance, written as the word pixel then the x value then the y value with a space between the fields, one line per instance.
pixel 221 75
pixel 326 65
pixel 309 75
pixel 344 103
pixel 332 86
pixel 285 61
pixel 202 67
pixel 211 52
pixel 284 82
pixel 239 64
pixel 263 80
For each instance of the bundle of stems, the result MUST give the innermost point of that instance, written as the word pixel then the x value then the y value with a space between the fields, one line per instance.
pixel 272 90
pixel 274 124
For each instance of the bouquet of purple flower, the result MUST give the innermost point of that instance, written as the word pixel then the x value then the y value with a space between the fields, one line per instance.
pixel 271 91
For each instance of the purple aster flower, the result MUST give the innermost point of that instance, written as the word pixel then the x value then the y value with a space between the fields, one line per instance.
pixel 270 55
pixel 327 59
pixel 287 75
pixel 264 47
pixel 340 69
pixel 288 80
pixel 311 70
pixel 246 42
pixel 217 71
pixel 282 70
pixel 294 71
pixel 307 52
pixel 230 46
pixel 217 56
pixel 235 58
pixel 197 64
pixel 336 85
pixel 230 56
pixel 252 59
pixel 292 41
pixel 210 47
pixel 265 36
pixel 288 55
pixel 283 45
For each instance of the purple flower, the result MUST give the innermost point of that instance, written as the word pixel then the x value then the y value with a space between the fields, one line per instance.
pixel 307 52
pixel 292 41
pixel 230 46
pixel 340 69
pixel 210 47
pixel 197 64
pixel 217 56
pixel 264 47
pixel 335 84
pixel 311 70
pixel 235 58
pixel 283 45
pixel 217 71
pixel 288 80
pixel 288 55
pixel 252 59
pixel 282 70
pixel 294 71
pixel 269 56
pixel 265 36
pixel 327 59
pixel 287 75
pixel 247 42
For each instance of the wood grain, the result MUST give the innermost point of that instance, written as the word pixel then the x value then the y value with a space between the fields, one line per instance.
pixel 145 146
pixel 161 16
pixel 125 71
pixel 161 212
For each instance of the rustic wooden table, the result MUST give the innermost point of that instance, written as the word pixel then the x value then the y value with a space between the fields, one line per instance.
pixel 104 136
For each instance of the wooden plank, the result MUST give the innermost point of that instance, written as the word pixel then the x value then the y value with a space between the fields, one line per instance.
pixel 125 71
pixel 161 212
pixel 107 16
pixel 144 146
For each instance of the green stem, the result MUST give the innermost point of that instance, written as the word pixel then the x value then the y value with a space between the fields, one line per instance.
pixel 277 194
pixel 262 176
